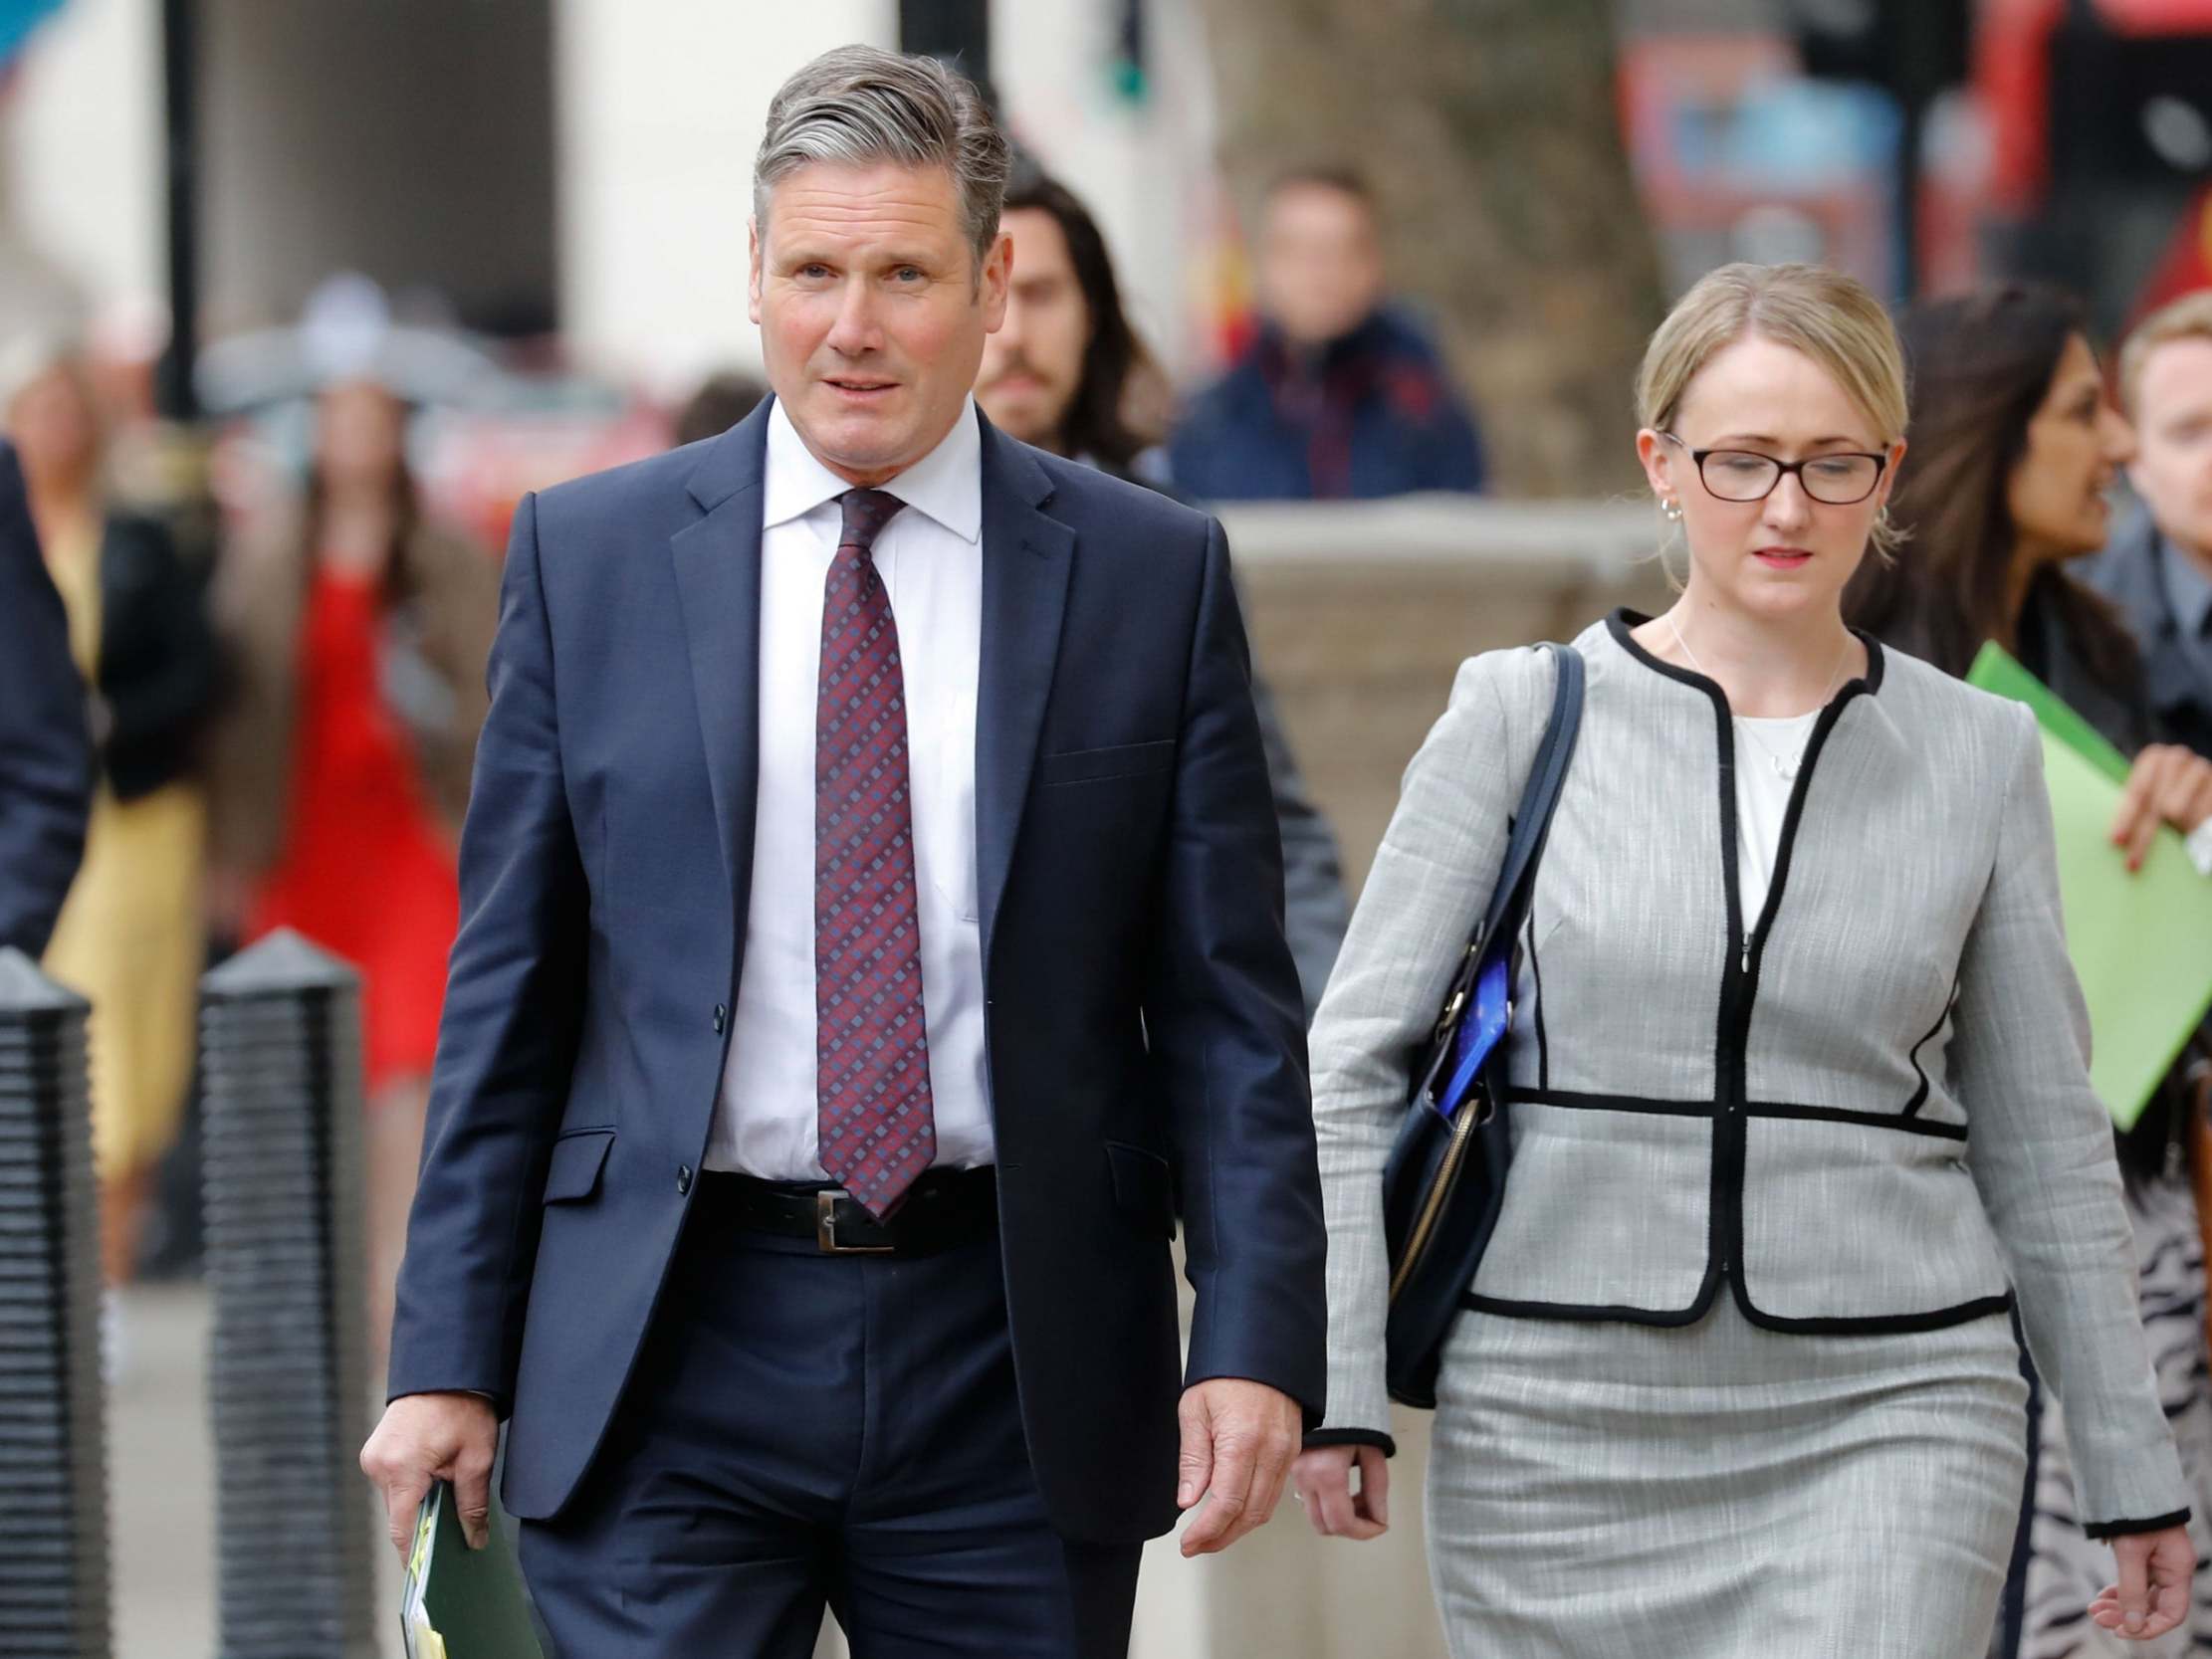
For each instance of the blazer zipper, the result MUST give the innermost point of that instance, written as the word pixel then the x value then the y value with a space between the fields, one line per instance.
pixel 1740 987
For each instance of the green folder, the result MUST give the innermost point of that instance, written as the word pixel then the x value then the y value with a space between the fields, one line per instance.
pixel 462 1604
pixel 2142 944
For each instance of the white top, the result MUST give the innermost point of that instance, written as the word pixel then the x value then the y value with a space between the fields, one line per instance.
pixel 1763 801
pixel 931 560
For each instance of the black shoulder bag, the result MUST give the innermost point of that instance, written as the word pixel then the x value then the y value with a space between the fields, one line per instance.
pixel 1445 1177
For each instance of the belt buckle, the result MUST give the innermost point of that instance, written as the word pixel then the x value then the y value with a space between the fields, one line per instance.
pixel 825 1231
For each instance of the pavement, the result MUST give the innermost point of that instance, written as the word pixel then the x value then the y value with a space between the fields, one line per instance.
pixel 161 1486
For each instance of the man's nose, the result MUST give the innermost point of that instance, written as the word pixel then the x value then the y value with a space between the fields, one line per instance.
pixel 855 332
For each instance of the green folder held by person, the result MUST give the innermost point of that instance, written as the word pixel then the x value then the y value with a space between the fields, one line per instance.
pixel 2142 944
pixel 462 1604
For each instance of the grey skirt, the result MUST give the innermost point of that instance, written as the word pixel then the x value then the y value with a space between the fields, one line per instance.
pixel 1724 1492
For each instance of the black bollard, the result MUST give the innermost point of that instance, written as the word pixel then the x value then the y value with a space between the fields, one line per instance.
pixel 287 1363
pixel 54 1582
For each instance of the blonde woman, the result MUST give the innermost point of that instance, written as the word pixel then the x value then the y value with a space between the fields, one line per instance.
pixel 130 937
pixel 1801 1106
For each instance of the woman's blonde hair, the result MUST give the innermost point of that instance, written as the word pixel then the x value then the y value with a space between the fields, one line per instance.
pixel 1829 316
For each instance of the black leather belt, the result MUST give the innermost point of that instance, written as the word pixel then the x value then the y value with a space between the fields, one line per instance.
pixel 944 1207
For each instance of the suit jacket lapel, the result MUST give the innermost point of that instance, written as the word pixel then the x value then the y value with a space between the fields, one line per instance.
pixel 717 562
pixel 1026 559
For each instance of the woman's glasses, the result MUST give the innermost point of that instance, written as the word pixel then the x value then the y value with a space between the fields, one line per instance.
pixel 1744 475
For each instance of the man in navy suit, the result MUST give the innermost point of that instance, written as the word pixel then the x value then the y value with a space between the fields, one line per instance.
pixel 45 750
pixel 872 943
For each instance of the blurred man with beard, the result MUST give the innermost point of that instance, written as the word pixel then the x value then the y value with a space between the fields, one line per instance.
pixel 1063 372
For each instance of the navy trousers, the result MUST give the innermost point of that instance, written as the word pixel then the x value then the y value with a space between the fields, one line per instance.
pixel 806 1430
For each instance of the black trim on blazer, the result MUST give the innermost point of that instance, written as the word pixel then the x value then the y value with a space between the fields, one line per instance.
pixel 1579 1313
pixel 1536 973
pixel 1866 1325
pixel 1871 1119
pixel 1623 619
pixel 2120 1528
pixel 1935 1319
pixel 1608 1102
pixel 1575 1099
pixel 1921 1095
pixel 1350 1437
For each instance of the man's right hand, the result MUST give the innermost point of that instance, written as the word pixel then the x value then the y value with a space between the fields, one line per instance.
pixel 425 1438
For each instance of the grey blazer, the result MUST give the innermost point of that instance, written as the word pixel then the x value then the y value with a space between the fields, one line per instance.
pixel 1866 1110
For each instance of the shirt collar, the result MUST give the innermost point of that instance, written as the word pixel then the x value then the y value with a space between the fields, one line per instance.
pixel 2188 589
pixel 945 484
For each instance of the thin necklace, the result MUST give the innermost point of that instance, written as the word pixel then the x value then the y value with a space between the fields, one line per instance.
pixel 1785 766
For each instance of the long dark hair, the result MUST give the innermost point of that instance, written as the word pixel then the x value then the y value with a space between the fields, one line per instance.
pixel 1980 365
pixel 1096 425
pixel 396 582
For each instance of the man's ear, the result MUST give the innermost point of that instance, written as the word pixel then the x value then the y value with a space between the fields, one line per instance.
pixel 995 280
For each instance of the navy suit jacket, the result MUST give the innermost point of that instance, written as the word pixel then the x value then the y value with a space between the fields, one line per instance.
pixel 1144 1030
pixel 46 761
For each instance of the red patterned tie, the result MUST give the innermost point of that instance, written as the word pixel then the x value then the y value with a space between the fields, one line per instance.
pixel 871 1045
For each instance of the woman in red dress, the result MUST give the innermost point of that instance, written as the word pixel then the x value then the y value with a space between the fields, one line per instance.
pixel 359 637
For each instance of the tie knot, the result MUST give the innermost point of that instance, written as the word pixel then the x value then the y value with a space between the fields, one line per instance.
pixel 866 512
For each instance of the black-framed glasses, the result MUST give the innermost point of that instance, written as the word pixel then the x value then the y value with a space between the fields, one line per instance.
pixel 1840 479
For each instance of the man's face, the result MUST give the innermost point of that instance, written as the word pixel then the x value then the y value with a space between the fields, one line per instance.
pixel 1034 366
pixel 1320 264
pixel 872 312
pixel 2173 436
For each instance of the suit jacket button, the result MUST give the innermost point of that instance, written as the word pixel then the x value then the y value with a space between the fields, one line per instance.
pixel 722 1017
pixel 683 1178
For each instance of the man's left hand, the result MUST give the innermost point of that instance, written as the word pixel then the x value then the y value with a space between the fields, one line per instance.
pixel 1239 1438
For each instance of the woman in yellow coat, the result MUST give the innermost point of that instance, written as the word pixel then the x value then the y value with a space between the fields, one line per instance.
pixel 130 937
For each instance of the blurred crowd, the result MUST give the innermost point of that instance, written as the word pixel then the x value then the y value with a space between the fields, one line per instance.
pixel 284 714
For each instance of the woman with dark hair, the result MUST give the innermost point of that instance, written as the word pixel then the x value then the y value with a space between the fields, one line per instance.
pixel 2015 445
pixel 358 636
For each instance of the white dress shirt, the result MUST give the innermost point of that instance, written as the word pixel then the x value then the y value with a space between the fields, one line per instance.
pixel 931 559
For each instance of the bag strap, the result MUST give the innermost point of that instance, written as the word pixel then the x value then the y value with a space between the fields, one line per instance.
pixel 1547 774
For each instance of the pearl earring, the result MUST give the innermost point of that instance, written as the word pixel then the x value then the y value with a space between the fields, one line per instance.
pixel 1671 510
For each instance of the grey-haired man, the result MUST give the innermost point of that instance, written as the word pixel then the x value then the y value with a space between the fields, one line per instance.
pixel 872 940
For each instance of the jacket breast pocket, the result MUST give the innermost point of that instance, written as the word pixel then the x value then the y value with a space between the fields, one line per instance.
pixel 1097 765
pixel 572 1173
pixel 1143 1189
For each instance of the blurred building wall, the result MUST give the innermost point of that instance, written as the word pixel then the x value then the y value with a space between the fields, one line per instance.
pixel 83 152
pixel 408 139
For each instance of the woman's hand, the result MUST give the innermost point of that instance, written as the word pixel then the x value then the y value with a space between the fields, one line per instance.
pixel 2168 785
pixel 2152 1596
pixel 1321 1481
